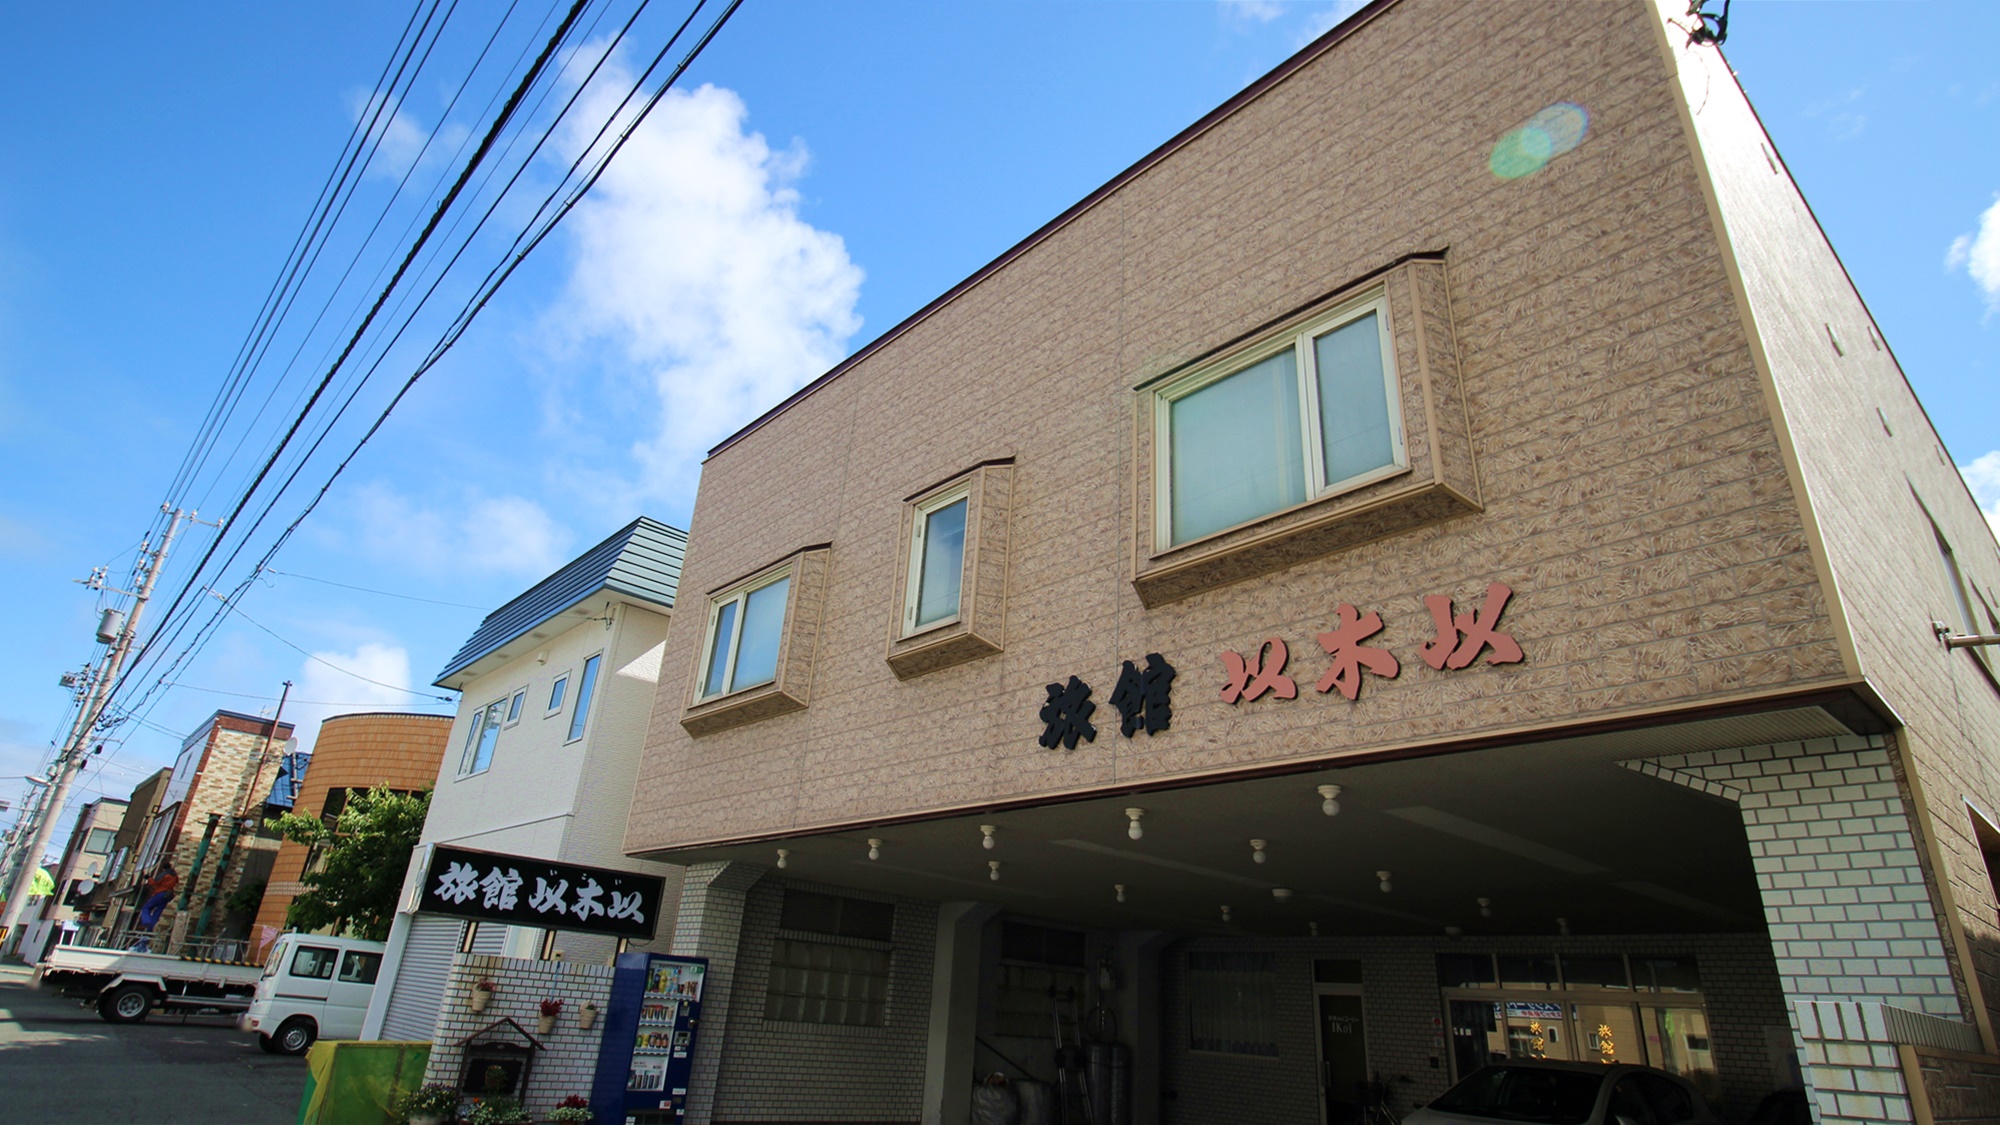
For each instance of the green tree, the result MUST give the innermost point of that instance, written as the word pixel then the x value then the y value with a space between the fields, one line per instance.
pixel 357 864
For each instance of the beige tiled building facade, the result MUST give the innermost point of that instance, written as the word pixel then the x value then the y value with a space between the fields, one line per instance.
pixel 1546 549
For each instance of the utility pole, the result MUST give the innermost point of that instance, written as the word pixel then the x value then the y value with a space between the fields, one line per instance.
pixel 70 760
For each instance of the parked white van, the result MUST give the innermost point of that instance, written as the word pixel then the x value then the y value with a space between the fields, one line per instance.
pixel 313 987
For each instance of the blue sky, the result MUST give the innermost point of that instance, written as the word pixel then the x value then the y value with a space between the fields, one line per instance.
pixel 827 170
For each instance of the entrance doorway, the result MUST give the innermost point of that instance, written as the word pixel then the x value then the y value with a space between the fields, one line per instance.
pixel 1343 1041
pixel 1343 1057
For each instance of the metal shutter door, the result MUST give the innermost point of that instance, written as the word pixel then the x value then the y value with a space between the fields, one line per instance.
pixel 490 938
pixel 419 989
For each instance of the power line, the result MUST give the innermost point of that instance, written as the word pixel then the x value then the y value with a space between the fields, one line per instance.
pixel 315 657
pixel 569 190
pixel 311 702
pixel 366 590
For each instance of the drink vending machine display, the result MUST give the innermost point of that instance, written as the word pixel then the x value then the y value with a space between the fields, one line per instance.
pixel 647 1053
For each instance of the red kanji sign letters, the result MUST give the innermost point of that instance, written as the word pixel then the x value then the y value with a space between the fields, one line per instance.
pixel 1460 638
pixel 1350 656
pixel 1460 641
pixel 1264 671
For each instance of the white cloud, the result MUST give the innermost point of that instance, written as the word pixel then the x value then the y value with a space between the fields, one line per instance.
pixel 323 691
pixel 400 141
pixel 1842 122
pixel 1314 19
pixel 477 535
pixel 1322 21
pixel 693 269
pixel 1983 477
pixel 1979 253
pixel 1254 11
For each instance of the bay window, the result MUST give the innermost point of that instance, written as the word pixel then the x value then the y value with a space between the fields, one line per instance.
pixel 744 632
pixel 1311 413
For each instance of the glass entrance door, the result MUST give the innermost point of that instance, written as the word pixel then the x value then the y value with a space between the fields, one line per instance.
pixel 1343 1057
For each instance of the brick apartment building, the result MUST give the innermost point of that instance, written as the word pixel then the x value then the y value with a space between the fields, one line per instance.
pixel 208 826
pixel 352 753
pixel 1435 563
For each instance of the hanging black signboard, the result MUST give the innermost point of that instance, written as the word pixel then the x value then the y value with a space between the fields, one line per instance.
pixel 491 887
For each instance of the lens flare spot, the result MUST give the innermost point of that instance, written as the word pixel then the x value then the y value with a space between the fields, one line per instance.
pixel 1551 132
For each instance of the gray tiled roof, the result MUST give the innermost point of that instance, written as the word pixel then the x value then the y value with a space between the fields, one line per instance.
pixel 641 561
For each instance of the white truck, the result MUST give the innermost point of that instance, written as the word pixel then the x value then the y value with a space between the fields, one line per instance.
pixel 127 986
pixel 313 987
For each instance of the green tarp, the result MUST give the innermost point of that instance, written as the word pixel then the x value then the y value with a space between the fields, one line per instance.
pixel 351 1083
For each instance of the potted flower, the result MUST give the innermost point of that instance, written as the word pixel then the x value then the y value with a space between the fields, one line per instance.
pixel 498 1110
pixel 547 1022
pixel 482 994
pixel 429 1105
pixel 586 1016
pixel 572 1109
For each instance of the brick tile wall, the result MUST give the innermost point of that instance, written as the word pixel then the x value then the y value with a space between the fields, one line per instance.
pixel 1627 459
pixel 782 1071
pixel 567 1062
pixel 1859 946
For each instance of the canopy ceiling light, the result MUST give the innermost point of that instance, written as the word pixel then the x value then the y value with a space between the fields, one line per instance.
pixel 1257 851
pixel 1282 894
pixel 1133 830
pixel 1225 915
pixel 1119 890
pixel 993 870
pixel 1384 876
pixel 783 855
pixel 874 848
pixel 986 832
pixel 1329 803
pixel 1485 908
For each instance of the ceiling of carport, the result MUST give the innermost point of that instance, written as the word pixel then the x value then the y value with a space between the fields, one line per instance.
pixel 1544 831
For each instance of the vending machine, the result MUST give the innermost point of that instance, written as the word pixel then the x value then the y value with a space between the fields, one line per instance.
pixel 647 1053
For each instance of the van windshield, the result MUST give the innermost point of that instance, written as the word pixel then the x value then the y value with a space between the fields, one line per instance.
pixel 271 963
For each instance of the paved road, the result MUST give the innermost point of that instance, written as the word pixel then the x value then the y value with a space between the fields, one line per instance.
pixel 60 1063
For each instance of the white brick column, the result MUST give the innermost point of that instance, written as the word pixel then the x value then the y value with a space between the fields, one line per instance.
pixel 710 924
pixel 948 1060
pixel 1859 947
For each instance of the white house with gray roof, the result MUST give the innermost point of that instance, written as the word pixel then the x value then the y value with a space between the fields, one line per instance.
pixel 557 690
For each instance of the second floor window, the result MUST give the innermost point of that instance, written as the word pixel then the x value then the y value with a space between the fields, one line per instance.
pixel 581 712
pixel 480 737
pixel 937 561
pixel 1310 413
pixel 745 629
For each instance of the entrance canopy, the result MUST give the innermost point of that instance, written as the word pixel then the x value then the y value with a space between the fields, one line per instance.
pixel 1543 832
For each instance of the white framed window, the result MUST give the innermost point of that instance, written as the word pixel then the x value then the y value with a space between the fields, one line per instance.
pixel 98 842
pixel 932 591
pixel 481 735
pixel 556 693
pixel 1307 414
pixel 515 704
pixel 745 630
pixel 580 714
